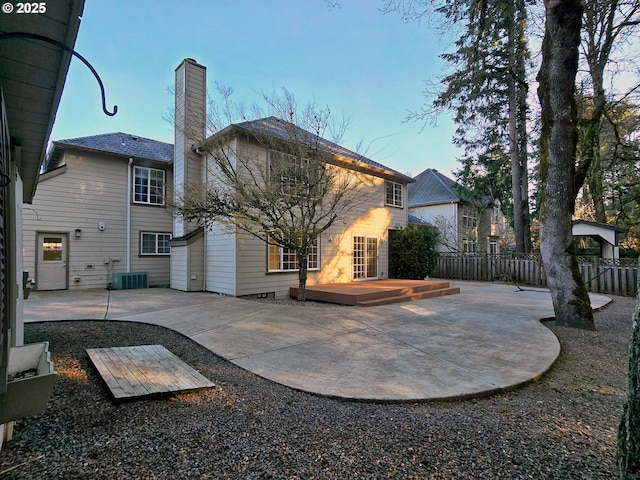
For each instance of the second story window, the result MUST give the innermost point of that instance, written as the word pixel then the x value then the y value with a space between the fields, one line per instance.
pixel 469 220
pixel 393 193
pixel 294 176
pixel 148 185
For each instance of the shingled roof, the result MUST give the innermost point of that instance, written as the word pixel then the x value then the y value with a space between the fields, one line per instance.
pixel 119 143
pixel 280 129
pixel 432 188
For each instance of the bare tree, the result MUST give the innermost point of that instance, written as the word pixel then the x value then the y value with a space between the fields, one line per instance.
pixel 275 178
pixel 609 26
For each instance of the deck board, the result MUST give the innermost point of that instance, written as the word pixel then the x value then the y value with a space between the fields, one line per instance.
pixel 143 371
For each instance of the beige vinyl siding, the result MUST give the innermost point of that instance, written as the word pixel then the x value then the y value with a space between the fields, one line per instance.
pixel 150 219
pixel 220 249
pixel 187 265
pixel 93 189
pixel 196 266
pixel 189 118
pixel 237 262
pixel 221 261
pixel 179 267
pixel 371 217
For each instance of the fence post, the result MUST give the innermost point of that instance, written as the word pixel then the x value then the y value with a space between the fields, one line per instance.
pixel 485 257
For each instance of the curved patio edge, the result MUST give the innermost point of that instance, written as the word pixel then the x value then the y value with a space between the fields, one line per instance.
pixel 486 340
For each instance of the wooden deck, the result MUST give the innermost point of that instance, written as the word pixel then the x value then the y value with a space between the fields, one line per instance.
pixel 143 371
pixel 377 292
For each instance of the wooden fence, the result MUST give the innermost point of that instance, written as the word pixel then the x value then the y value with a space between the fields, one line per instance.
pixel 609 276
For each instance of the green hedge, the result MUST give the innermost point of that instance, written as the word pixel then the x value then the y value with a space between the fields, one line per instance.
pixel 412 252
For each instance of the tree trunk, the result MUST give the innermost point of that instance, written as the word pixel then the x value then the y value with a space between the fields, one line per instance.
pixel 521 112
pixel 518 128
pixel 302 276
pixel 514 156
pixel 629 432
pixel 558 141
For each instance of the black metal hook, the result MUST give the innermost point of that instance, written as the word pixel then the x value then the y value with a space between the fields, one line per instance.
pixel 4 179
pixel 42 38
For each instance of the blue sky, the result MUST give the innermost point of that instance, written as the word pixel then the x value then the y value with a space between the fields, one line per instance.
pixel 361 63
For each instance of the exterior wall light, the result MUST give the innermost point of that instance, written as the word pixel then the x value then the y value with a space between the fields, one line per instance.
pixel 78 233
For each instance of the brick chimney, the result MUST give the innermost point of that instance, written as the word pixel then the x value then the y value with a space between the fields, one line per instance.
pixel 189 129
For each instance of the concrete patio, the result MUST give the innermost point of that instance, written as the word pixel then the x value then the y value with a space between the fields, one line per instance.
pixel 486 339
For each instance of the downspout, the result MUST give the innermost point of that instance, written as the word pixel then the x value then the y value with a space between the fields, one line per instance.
pixel 456 217
pixel 129 215
pixel 206 229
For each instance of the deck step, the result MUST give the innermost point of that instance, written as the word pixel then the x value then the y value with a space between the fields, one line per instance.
pixel 377 292
pixel 408 297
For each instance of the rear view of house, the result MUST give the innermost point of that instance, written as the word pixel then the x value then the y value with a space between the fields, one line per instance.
pixel 100 208
pixel 231 262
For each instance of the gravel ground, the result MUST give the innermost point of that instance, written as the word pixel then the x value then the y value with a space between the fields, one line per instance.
pixel 561 427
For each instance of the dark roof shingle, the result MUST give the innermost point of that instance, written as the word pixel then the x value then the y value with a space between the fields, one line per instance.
pixel 280 129
pixel 118 143
pixel 431 188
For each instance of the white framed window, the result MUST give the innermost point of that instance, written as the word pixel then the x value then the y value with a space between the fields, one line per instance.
pixel 152 243
pixel 294 176
pixel 469 220
pixel 494 247
pixel 283 259
pixel 469 245
pixel 148 185
pixel 393 193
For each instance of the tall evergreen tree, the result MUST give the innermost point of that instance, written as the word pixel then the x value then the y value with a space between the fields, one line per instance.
pixel 487 93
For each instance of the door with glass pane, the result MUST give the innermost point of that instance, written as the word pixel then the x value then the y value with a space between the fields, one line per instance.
pixel 365 258
pixel 52 261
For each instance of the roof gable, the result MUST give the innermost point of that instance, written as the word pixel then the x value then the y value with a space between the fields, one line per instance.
pixel 431 187
pixel 282 130
pixel 119 143
pixel 595 226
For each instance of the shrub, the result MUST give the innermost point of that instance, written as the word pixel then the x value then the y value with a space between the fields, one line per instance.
pixel 412 252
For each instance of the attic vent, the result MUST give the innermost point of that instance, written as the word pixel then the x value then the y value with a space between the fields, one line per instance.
pixel 134 138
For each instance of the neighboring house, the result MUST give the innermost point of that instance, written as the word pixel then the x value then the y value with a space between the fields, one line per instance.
pixel 606 237
pixel 464 226
pixel 233 263
pixel 32 77
pixel 100 209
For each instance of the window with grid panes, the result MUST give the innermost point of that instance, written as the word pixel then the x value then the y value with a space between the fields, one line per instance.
pixel 148 185
pixel 393 193
pixel 155 243
pixel 283 259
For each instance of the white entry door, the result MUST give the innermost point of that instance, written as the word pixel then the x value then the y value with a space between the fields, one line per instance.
pixel 51 271
pixel 365 258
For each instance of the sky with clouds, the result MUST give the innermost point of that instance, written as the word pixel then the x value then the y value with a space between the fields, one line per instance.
pixel 361 63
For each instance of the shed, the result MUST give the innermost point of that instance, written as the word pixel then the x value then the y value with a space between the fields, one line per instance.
pixel 607 236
